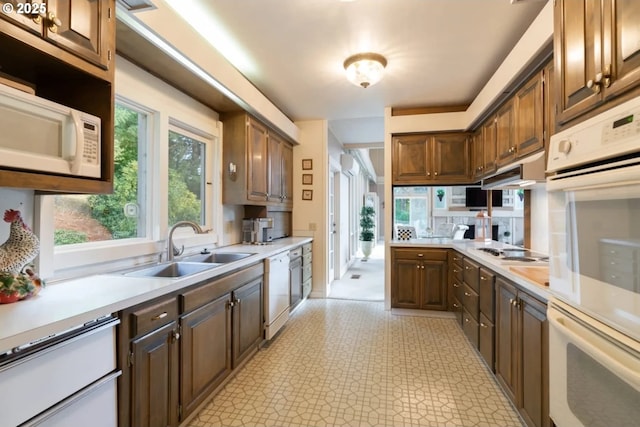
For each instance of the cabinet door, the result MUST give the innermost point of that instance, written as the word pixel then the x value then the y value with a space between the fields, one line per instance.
pixel 621 45
pixel 534 390
pixel 247 320
pixel 205 351
pixel 154 383
pixel 411 159
pixel 451 158
pixel 470 327
pixel 275 168
pixel 84 28
pixel 486 340
pixel 549 107
pixel 258 161
pixel 405 283
pixel 287 174
pixel 26 21
pixel 578 54
pixel 434 285
pixel 529 119
pixel 505 133
pixel 507 352
pixel 489 146
pixel 477 155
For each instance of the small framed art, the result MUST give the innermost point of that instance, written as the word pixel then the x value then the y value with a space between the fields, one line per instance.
pixel 307 179
pixel 307 164
pixel 307 194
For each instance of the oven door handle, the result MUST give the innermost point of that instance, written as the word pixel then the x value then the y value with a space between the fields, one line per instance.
pixel 603 349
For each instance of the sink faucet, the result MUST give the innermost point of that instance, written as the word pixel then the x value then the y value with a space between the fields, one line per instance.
pixel 171 249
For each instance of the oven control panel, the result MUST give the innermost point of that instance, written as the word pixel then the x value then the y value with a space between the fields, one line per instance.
pixel 612 133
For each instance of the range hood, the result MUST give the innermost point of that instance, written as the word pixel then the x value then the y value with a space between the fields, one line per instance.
pixel 525 172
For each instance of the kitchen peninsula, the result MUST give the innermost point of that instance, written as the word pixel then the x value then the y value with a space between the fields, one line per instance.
pixel 499 305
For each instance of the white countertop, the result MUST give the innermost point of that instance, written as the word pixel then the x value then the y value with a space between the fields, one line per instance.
pixel 469 249
pixel 67 304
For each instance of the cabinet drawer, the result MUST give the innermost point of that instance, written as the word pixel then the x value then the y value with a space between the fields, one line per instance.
pixel 470 327
pixel 306 258
pixel 470 301
pixel 618 264
pixel 306 272
pixel 471 272
pixel 456 258
pixel 486 294
pixel 306 248
pixel 486 338
pixel 306 288
pixel 456 272
pixel 154 316
pixel 202 293
pixel 458 290
pixel 295 253
pixel 621 279
pixel 617 251
pixel 457 310
pixel 419 254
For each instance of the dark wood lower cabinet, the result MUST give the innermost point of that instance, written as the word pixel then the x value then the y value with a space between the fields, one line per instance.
pixel 419 278
pixel 247 320
pixel 178 349
pixel 522 352
pixel 154 385
pixel 206 351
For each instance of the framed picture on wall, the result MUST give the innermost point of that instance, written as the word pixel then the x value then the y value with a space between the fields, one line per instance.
pixel 307 179
pixel 307 164
pixel 307 194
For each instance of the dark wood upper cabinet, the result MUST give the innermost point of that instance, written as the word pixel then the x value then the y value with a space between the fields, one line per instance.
pixel 505 134
pixel 489 147
pixel 264 164
pixel 529 116
pixel 597 53
pixel 424 159
pixel 67 56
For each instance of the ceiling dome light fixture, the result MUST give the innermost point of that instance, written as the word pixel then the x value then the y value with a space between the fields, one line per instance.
pixel 365 69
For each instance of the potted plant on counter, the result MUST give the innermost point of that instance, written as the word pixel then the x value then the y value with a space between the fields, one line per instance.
pixel 367 225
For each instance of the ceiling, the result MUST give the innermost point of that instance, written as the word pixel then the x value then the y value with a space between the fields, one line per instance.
pixel 439 52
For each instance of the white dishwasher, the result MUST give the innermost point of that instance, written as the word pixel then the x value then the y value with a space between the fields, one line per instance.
pixel 276 293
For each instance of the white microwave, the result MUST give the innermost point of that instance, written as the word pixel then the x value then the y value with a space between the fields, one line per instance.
pixel 43 136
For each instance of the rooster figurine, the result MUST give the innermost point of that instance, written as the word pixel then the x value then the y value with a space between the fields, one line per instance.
pixel 20 248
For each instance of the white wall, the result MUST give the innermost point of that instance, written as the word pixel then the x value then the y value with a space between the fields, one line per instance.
pixel 20 200
pixel 310 217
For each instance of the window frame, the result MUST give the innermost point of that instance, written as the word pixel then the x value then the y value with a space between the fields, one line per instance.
pixel 164 106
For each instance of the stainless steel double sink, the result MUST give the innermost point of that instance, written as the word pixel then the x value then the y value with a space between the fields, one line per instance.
pixel 189 265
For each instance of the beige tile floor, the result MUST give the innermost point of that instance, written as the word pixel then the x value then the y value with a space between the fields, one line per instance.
pixel 351 363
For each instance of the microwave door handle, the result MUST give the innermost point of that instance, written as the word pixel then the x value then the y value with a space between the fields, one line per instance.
pixel 76 161
pixel 610 356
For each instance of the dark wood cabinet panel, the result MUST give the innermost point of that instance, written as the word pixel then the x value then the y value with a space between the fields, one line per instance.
pixel 81 28
pixel 487 294
pixel 405 283
pixel 522 352
pixel 534 390
pixel 470 327
pixel 247 320
pixel 451 157
pixel 507 351
pixel 419 278
pixel 154 384
pixel 477 155
pixel 411 161
pixel 529 117
pixel 505 134
pixel 489 147
pixel 205 350
pixel 257 161
pixel 597 53
pixel 264 164
pixel 486 341
pixel 424 159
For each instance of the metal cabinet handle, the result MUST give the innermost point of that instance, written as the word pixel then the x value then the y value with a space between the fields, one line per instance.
pixel 483 278
pixel 456 305
pixel 482 324
pixel 467 294
pixel 466 320
pixel 54 22
pixel 420 255
pixel 455 285
pixel 436 173
pixel 595 86
pixel 160 316
pixel 456 271
pixel 422 267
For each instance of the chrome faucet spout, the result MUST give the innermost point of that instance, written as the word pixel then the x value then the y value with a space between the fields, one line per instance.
pixel 171 249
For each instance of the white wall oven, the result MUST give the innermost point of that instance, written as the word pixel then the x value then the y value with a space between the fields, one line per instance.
pixel 594 265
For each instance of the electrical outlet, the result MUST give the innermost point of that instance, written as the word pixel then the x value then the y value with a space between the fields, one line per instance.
pixel 312 226
pixel 228 227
